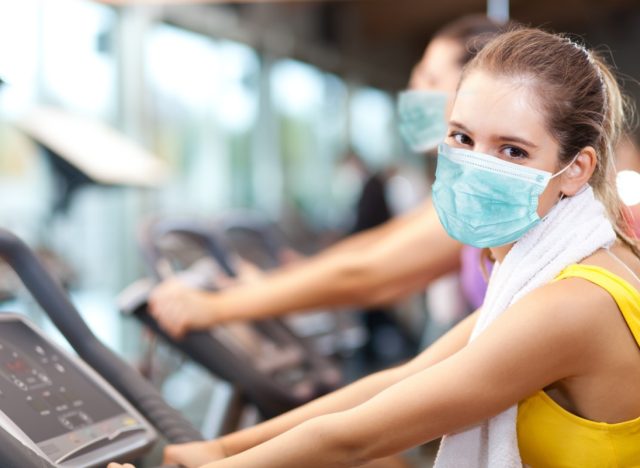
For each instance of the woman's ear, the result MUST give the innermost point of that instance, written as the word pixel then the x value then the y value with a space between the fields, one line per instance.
pixel 579 172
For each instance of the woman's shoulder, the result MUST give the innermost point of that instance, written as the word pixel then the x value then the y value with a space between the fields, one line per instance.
pixel 573 299
pixel 581 305
pixel 572 309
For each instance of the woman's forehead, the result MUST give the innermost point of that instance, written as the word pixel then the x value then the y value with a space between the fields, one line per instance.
pixel 490 105
pixel 443 52
pixel 439 67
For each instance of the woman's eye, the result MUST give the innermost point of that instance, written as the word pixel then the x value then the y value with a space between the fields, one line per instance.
pixel 514 152
pixel 461 138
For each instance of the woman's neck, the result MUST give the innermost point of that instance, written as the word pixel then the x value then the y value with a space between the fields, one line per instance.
pixel 501 251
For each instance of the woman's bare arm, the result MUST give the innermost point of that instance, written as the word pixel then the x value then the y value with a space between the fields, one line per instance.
pixel 340 400
pixel 365 239
pixel 412 253
pixel 541 340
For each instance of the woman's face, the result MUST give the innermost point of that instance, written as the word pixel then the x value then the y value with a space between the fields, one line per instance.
pixel 440 68
pixel 499 117
pixel 424 110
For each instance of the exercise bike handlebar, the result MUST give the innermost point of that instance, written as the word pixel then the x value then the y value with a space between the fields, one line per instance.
pixel 154 230
pixel 53 300
pixel 270 397
pixel 248 221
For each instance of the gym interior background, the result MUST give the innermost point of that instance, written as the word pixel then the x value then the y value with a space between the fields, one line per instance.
pixel 227 105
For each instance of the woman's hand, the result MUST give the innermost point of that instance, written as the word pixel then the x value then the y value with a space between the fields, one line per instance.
pixel 179 308
pixel 118 465
pixel 193 454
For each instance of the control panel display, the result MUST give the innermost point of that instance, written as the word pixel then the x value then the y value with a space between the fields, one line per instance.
pixel 52 401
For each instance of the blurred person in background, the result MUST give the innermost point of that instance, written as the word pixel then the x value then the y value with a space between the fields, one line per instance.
pixel 628 152
pixel 379 265
pixel 628 167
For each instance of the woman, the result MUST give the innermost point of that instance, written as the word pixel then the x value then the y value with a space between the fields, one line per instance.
pixel 375 267
pixel 547 373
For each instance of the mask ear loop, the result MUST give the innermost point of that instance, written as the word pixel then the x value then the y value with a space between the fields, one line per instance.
pixel 562 195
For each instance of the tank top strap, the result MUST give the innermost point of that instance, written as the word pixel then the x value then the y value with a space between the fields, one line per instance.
pixel 626 296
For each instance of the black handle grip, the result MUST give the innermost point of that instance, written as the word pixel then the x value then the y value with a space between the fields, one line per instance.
pixel 15 455
pixel 268 233
pixel 271 398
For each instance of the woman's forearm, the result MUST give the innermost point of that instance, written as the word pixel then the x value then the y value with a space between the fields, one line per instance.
pixel 339 400
pixel 411 256
pixel 365 239
pixel 405 260
pixel 312 444
pixel 351 395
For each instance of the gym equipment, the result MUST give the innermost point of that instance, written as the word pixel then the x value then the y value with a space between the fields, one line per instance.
pixel 254 237
pixel 85 151
pixel 58 406
pixel 60 410
pixel 269 365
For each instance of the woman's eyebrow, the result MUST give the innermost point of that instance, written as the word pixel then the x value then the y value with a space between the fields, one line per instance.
pixel 518 140
pixel 453 123
pixel 514 139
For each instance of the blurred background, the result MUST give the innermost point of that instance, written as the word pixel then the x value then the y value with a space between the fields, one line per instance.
pixel 113 111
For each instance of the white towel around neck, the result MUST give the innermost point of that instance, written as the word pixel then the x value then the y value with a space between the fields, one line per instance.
pixel 575 228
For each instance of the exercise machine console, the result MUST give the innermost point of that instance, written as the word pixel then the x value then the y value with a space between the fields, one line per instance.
pixel 59 407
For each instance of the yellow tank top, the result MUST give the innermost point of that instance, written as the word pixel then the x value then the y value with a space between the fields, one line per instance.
pixel 551 437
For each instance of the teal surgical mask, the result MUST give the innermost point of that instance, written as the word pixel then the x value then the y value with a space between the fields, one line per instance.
pixel 422 119
pixel 484 201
